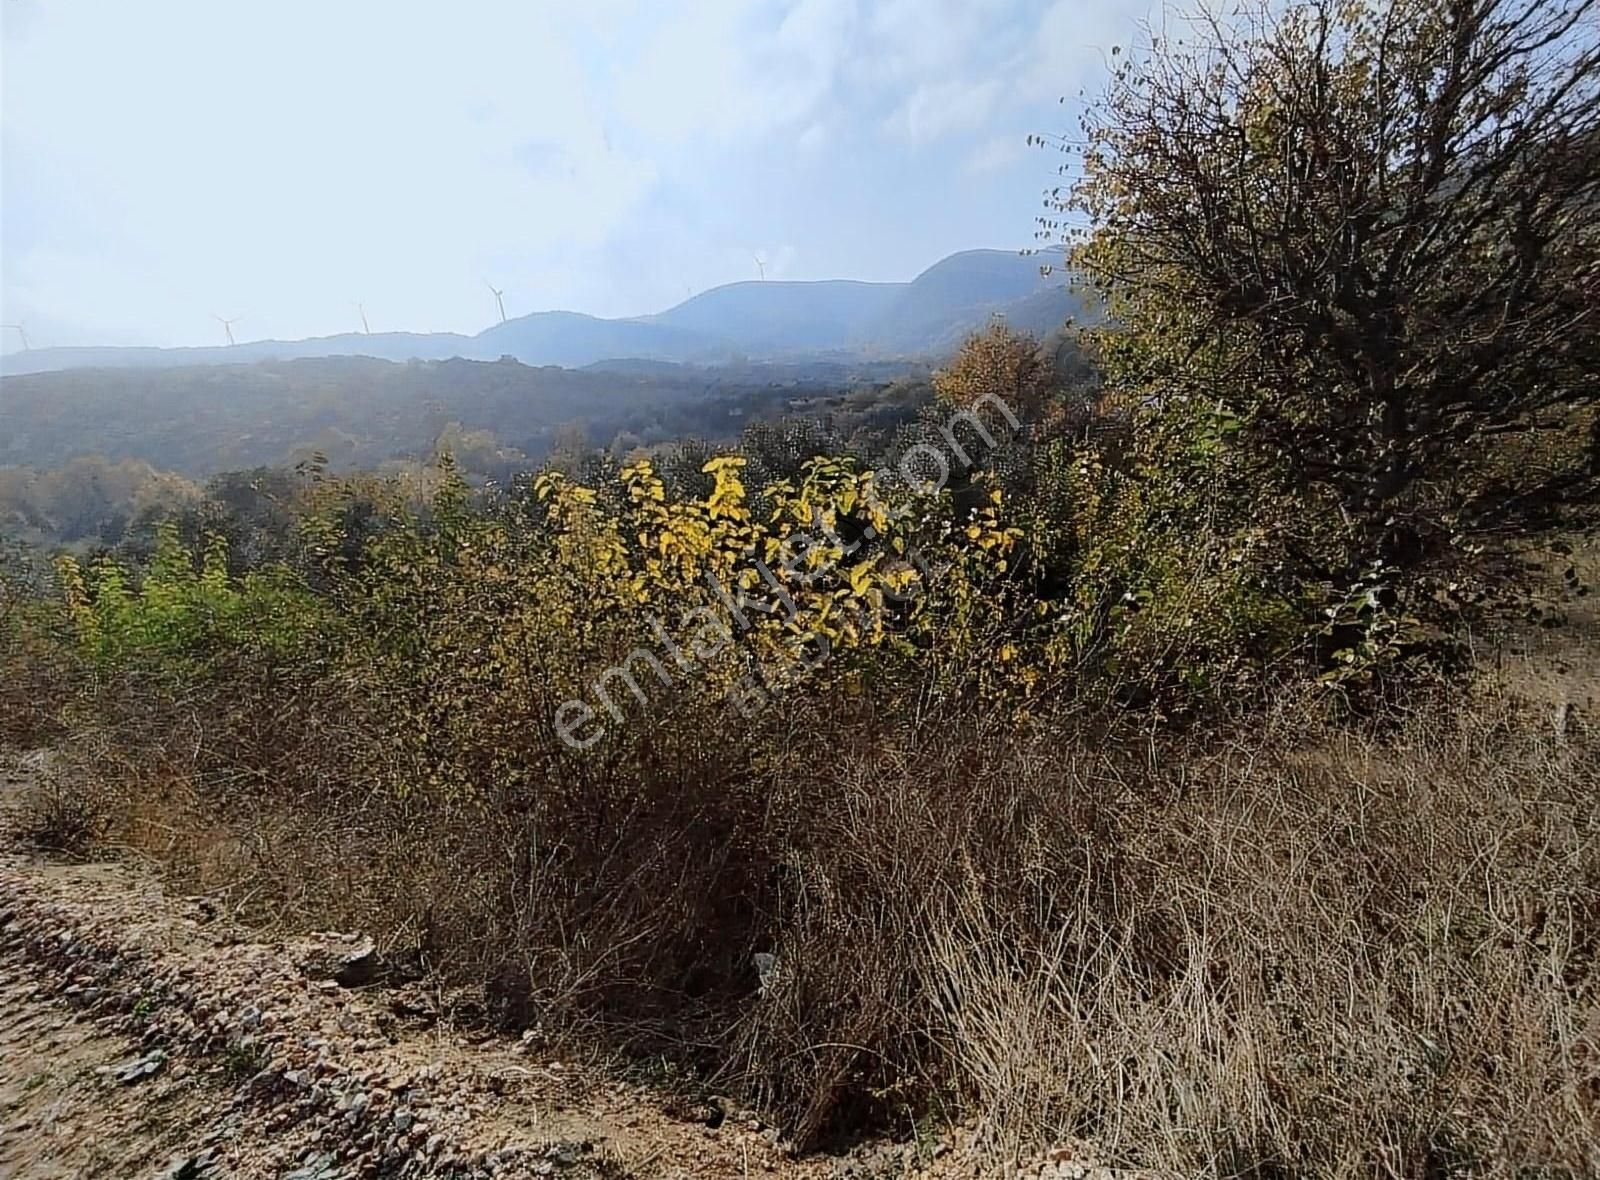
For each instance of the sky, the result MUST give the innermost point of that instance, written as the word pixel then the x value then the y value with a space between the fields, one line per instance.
pixel 278 162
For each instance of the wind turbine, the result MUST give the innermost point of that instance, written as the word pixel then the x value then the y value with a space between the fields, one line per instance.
pixel 227 325
pixel 498 300
pixel 20 331
pixel 365 327
pixel 761 268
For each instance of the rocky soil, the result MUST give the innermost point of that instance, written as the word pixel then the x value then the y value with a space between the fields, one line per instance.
pixel 143 1035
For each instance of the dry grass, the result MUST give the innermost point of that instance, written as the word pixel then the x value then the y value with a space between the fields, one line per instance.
pixel 35 677
pixel 1301 951
pixel 54 816
pixel 1357 958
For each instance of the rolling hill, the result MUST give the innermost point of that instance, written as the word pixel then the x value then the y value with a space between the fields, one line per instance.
pixel 924 318
pixel 774 317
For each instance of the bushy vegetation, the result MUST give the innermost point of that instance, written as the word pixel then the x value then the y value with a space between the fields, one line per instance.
pixel 1088 746
pixel 1363 235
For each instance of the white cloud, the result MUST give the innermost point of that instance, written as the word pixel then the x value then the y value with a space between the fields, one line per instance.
pixel 921 40
pixel 173 158
pixel 302 140
pixel 813 139
pixel 1000 152
pixel 1075 40
pixel 946 108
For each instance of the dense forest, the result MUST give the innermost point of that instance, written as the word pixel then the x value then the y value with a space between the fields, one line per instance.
pixel 1114 737
pixel 360 412
pixel 91 453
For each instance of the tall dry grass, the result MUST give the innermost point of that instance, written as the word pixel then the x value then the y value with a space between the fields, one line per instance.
pixel 1289 948
pixel 1329 955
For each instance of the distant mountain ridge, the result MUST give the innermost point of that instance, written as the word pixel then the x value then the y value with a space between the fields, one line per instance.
pixel 751 321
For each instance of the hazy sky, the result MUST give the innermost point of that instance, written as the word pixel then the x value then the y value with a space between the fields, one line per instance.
pixel 167 161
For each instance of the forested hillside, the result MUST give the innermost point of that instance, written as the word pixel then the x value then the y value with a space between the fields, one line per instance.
pixel 358 411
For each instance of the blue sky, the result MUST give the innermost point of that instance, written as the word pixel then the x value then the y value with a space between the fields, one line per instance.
pixel 166 161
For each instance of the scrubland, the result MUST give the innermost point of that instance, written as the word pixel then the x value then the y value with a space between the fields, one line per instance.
pixel 1193 753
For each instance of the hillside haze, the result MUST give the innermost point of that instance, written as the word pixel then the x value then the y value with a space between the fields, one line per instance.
pixel 767 320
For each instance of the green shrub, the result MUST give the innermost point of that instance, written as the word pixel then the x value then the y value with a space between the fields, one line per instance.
pixel 185 616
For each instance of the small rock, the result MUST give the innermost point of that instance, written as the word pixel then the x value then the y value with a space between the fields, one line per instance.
pixel 140 1067
pixel 195 1167
pixel 322 1165
pixel 345 963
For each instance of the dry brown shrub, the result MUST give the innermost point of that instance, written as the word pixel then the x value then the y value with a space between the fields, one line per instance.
pixel 1299 950
pixel 55 815
pixel 37 681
